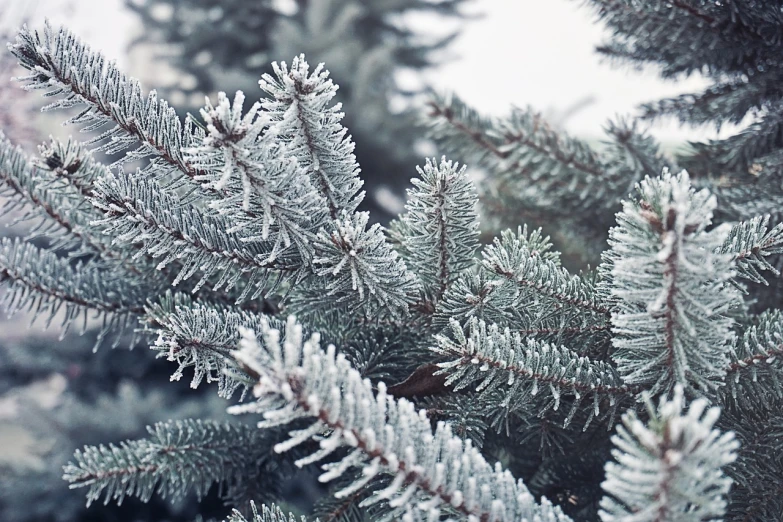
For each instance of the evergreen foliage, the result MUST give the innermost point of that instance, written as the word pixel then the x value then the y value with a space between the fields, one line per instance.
pixel 368 45
pixel 669 469
pixel 424 381
pixel 177 457
pixel 432 471
pixel 672 288
pixel 267 514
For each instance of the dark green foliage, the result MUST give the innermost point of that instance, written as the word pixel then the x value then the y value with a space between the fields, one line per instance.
pixel 178 457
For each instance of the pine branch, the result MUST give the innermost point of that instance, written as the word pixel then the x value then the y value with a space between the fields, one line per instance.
pixel 359 268
pixel 72 164
pixel 522 147
pixel 301 115
pixel 737 155
pixel 671 325
pixel 713 32
pixel 265 192
pixel 438 234
pixel 757 474
pixel 137 211
pixel 267 514
pixel 725 102
pixel 671 468
pixel 547 294
pixel 53 191
pixel 178 457
pixel 630 154
pixel 44 283
pixel 751 243
pixel 298 380
pixel 482 294
pixel 754 373
pixel 65 67
pixel 202 336
pixel 59 213
pixel 493 360
pixel 358 260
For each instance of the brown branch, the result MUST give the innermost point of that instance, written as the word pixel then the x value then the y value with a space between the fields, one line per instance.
pixel 671 463
pixel 670 272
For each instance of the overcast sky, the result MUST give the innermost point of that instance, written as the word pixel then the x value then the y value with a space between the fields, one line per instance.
pixel 522 52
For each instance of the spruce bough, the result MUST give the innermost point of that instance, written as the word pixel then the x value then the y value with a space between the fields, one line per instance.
pixel 427 376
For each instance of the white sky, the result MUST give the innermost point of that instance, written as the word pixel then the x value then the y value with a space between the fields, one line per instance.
pixel 522 52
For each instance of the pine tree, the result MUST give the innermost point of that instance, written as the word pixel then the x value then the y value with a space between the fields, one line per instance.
pixel 417 379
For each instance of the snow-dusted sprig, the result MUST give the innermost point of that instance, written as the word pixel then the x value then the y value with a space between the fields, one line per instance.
pixel 137 211
pixel 751 243
pixel 522 148
pixel 434 472
pixel 229 139
pixel 672 287
pixel 360 268
pixel 178 457
pixel 58 211
pixel 669 469
pixel 301 116
pixel 490 359
pixel 41 281
pixel 263 189
pixel 545 170
pixel 68 69
pixel 549 297
pixel 483 294
pixel 72 164
pixel 202 336
pixel 754 374
pixel 267 514
pixel 275 514
pixel 438 234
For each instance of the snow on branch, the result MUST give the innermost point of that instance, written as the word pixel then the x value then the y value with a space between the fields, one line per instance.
pixel 751 243
pixel 178 457
pixel 754 374
pixel 433 473
pixel 264 189
pixel 201 336
pixel 491 360
pixel 670 468
pixel 62 65
pixel 41 281
pixel 301 115
pixel 673 288
pixel 438 234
